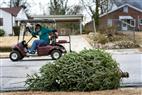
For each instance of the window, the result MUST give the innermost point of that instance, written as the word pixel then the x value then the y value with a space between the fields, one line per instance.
pixel 1 21
pixel 140 22
pixel 109 22
pixel 125 9
pixel 133 23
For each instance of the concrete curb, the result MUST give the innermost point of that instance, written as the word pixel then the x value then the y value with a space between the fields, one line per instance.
pixel 112 51
pixel 122 85
pixel 124 51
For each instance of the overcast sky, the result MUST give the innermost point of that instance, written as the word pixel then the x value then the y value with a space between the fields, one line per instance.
pixel 38 7
pixel 41 4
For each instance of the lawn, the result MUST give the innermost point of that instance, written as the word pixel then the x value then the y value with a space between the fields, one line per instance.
pixel 121 91
pixel 12 40
pixel 129 36
pixel 138 36
pixel 9 41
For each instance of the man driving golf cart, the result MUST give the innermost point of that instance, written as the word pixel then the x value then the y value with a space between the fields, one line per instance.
pixel 43 34
pixel 43 46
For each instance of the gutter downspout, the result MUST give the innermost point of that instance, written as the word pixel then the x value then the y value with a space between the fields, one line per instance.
pixel 138 22
pixel 12 23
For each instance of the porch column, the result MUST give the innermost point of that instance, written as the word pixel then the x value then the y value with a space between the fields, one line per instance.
pixel 81 26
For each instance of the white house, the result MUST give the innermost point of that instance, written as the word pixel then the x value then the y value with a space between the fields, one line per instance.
pixel 8 17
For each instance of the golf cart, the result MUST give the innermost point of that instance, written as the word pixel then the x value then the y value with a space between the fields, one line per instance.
pixel 55 48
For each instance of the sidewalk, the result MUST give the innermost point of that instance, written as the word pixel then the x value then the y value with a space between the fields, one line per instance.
pixel 113 51
pixel 79 42
pixel 4 54
pixel 124 51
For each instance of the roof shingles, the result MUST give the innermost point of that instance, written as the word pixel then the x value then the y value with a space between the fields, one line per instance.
pixel 14 10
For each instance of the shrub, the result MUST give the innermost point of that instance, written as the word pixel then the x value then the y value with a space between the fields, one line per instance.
pixel 85 71
pixel 126 44
pixel 108 30
pixel 16 30
pixel 100 38
pixel 115 38
pixel 2 32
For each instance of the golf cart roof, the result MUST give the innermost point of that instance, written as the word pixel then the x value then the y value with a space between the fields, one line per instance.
pixel 37 21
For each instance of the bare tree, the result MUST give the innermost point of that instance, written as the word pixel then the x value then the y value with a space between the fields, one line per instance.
pixel 95 8
pixel 17 3
pixel 89 5
pixel 105 6
pixel 58 7
pixel 74 10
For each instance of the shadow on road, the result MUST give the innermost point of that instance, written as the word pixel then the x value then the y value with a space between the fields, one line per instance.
pixel 36 60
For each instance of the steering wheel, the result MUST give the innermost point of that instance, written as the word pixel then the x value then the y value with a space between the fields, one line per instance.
pixel 34 36
pixel 30 31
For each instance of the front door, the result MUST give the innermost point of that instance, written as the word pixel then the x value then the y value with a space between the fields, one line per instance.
pixel 124 26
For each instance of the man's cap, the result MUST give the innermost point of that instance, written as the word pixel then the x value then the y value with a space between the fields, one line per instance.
pixel 38 25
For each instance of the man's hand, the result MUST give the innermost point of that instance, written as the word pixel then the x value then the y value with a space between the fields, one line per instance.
pixel 54 30
pixel 34 36
pixel 28 29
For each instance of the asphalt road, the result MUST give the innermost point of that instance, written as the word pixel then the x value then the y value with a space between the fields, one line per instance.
pixel 131 63
pixel 13 74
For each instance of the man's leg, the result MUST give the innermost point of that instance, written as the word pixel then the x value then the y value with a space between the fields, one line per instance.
pixel 37 43
pixel 34 46
pixel 42 42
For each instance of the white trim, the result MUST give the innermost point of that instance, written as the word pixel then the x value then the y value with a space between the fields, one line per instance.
pixel 140 21
pixel 125 17
pixel 79 15
pixel 120 8
pixel 125 9
pixel 59 17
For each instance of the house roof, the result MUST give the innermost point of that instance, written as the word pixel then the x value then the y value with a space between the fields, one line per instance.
pixel 61 18
pixel 38 21
pixel 136 3
pixel 129 5
pixel 14 10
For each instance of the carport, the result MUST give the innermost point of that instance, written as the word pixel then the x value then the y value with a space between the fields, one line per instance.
pixel 63 18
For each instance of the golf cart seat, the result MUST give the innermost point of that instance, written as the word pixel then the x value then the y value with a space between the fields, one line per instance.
pixel 62 41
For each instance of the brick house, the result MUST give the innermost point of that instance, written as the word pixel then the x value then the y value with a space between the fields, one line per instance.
pixel 126 17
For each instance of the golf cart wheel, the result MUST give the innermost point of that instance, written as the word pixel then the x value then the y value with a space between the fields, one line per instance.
pixel 15 56
pixel 56 54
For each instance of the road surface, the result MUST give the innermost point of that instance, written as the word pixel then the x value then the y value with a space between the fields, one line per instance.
pixel 13 74
pixel 131 63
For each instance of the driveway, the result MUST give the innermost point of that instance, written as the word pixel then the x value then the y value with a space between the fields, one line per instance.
pixel 78 43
